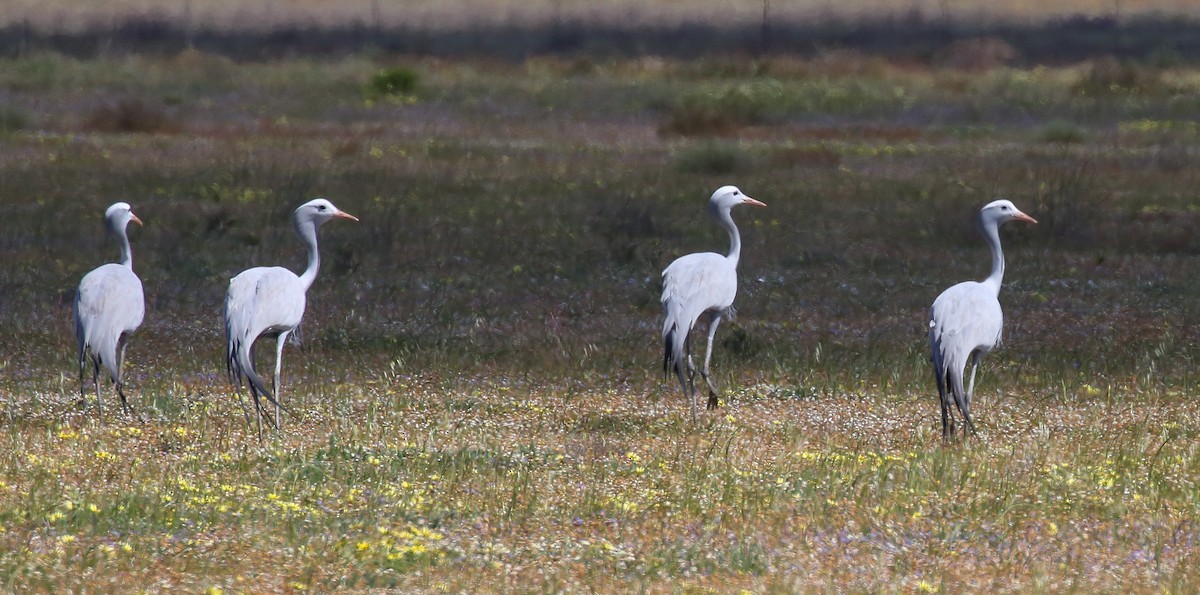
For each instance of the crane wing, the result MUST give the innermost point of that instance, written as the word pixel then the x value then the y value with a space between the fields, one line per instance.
pixel 694 284
pixel 264 299
pixel 965 318
pixel 109 303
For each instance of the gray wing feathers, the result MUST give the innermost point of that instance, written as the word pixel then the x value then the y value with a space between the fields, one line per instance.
pixel 692 285
pixel 964 319
pixel 260 300
pixel 109 304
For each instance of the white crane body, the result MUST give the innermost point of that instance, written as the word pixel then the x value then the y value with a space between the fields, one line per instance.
pixel 109 306
pixel 696 284
pixel 966 322
pixel 270 302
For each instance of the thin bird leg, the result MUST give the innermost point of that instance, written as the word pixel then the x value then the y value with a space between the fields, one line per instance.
pixel 82 375
pixel 947 421
pixel 965 405
pixel 959 401
pixel 258 391
pixel 120 375
pixel 96 381
pixel 713 402
pixel 971 384
pixel 278 364
pixel 258 411
pixel 690 387
pixel 242 404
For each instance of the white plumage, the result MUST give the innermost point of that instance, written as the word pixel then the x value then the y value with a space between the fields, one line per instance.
pixel 699 283
pixel 109 306
pixel 269 302
pixel 966 322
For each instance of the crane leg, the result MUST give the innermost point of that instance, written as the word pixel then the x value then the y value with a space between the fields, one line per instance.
pixel 96 381
pixel 947 421
pixel 258 411
pixel 956 386
pixel 687 373
pixel 82 375
pixel 965 405
pixel 681 373
pixel 713 402
pixel 259 416
pixel 242 404
pixel 120 375
pixel 278 365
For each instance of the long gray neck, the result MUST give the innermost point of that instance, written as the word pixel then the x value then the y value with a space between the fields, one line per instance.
pixel 991 231
pixel 123 240
pixel 725 220
pixel 308 234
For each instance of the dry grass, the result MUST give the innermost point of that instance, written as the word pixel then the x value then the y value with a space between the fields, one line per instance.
pixel 478 405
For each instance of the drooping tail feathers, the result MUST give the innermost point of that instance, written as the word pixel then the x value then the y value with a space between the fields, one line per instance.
pixel 675 349
pixel 677 332
pixel 239 361
pixel 102 340
pixel 949 366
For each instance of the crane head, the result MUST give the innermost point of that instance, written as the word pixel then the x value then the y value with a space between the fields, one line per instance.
pixel 1003 211
pixel 727 197
pixel 119 215
pixel 319 210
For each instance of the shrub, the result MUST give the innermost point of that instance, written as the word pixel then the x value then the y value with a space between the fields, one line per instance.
pixel 1109 76
pixel 815 155
pixel 740 343
pixel 393 82
pixel 12 119
pixel 712 158
pixel 131 114
pixel 978 54
pixel 725 110
pixel 697 120
pixel 1061 131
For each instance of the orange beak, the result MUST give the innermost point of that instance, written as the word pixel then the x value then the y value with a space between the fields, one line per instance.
pixel 134 218
pixel 345 215
pixel 750 201
pixel 1026 218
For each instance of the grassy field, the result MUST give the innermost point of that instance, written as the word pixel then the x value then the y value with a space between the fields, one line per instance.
pixel 478 400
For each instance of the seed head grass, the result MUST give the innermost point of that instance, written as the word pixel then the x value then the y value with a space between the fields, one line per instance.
pixel 476 402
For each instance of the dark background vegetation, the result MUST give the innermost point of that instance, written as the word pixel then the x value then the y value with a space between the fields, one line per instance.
pixel 1161 39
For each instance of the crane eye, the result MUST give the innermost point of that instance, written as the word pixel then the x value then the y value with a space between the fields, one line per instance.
pixel 321 207
pixel 735 193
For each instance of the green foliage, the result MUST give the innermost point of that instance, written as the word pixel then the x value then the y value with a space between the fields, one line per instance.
pixel 1110 76
pixel 740 342
pixel 715 157
pixel 724 110
pixel 393 82
pixel 12 119
pixel 1062 132
pixel 131 115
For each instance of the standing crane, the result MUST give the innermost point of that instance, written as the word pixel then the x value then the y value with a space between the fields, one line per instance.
pixel 965 322
pixel 698 283
pixel 109 306
pixel 269 302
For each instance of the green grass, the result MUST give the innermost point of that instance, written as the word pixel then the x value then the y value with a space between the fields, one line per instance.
pixel 478 403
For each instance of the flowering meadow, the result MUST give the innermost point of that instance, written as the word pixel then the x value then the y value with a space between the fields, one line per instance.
pixel 476 403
